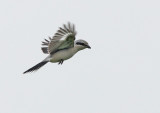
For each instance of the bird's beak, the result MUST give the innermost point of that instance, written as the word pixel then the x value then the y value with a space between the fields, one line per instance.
pixel 88 47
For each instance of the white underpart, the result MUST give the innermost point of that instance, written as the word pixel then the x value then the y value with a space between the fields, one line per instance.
pixel 63 54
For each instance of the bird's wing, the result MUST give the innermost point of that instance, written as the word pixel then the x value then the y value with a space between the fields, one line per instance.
pixel 63 38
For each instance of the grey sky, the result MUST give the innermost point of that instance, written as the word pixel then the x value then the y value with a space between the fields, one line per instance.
pixel 120 74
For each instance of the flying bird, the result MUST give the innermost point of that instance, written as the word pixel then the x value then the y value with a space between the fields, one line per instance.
pixel 61 46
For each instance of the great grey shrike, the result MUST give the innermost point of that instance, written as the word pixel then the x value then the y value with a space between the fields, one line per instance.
pixel 61 46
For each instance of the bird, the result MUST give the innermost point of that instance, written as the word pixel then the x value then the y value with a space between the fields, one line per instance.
pixel 60 47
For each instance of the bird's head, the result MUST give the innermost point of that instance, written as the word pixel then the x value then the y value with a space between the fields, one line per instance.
pixel 82 44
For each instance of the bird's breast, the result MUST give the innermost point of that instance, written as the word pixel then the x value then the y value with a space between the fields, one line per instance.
pixel 62 54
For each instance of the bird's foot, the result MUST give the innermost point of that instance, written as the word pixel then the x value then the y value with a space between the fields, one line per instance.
pixel 61 62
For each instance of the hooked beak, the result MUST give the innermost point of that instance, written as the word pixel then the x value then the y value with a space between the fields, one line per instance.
pixel 88 46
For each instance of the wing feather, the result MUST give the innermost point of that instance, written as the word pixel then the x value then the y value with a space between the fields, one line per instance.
pixel 62 39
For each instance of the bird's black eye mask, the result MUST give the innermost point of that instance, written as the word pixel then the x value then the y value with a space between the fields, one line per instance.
pixel 79 43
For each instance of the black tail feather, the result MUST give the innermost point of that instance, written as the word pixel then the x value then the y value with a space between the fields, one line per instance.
pixel 36 67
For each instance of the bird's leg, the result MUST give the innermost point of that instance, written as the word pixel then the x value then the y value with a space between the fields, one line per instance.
pixel 61 61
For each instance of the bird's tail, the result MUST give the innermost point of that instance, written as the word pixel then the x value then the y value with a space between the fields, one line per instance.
pixel 36 67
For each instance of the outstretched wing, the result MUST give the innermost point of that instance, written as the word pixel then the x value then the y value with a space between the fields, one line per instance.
pixel 63 38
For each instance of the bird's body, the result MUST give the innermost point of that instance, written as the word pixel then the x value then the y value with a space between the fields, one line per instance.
pixel 61 47
pixel 63 55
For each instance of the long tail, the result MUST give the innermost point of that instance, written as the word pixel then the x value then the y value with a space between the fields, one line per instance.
pixel 36 67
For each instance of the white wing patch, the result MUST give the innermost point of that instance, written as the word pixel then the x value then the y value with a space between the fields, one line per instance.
pixel 63 38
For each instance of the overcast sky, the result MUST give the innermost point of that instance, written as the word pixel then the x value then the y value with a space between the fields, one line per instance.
pixel 120 74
